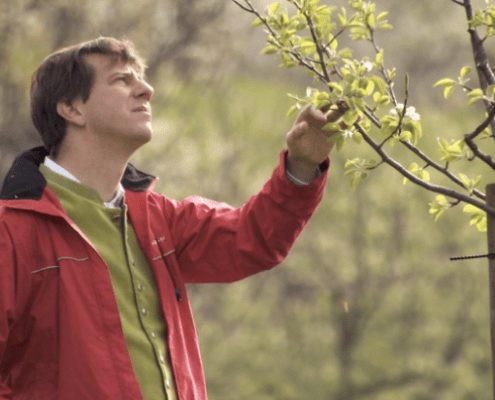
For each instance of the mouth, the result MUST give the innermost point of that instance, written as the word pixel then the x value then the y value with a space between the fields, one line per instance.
pixel 142 109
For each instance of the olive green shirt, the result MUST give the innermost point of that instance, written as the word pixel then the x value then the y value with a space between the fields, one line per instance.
pixel 109 231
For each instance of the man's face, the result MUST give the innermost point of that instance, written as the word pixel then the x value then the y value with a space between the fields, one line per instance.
pixel 118 109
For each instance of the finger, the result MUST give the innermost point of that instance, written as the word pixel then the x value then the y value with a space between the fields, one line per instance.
pixel 335 114
pixel 313 117
pixel 297 131
pixel 326 108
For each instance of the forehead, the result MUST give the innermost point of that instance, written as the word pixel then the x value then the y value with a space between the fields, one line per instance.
pixel 105 65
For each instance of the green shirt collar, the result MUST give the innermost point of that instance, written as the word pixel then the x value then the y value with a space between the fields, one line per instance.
pixel 116 201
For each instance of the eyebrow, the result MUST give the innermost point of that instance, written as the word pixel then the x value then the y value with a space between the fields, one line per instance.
pixel 119 73
pixel 127 73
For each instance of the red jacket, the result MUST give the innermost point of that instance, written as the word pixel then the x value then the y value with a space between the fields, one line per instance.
pixel 60 331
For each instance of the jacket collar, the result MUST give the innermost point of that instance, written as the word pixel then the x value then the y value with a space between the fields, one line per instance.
pixel 24 181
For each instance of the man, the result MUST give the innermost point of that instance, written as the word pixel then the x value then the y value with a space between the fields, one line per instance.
pixel 93 263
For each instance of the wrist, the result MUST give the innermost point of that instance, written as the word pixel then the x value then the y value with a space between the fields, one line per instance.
pixel 302 170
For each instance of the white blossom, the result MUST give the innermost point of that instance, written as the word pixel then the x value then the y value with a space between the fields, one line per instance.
pixel 410 112
pixel 348 134
pixel 368 66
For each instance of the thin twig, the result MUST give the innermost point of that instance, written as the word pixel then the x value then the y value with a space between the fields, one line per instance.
pixel 318 47
pixel 243 7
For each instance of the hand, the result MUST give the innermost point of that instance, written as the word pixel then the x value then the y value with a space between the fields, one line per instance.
pixel 308 145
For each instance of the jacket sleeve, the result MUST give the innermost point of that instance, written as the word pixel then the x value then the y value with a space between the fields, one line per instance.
pixel 218 243
pixel 7 292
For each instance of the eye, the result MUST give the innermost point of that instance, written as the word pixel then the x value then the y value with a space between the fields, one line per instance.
pixel 123 78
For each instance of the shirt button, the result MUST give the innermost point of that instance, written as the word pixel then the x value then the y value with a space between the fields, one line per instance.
pixel 153 334
pixel 167 383
pixel 140 287
pixel 162 358
pixel 133 262
pixel 144 311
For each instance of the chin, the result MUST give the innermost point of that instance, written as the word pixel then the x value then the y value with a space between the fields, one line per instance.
pixel 142 138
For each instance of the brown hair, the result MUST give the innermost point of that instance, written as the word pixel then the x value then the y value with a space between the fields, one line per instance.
pixel 66 76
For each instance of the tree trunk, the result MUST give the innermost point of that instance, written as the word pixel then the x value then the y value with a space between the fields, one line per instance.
pixel 490 199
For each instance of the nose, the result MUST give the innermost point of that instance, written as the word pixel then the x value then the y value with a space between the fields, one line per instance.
pixel 145 90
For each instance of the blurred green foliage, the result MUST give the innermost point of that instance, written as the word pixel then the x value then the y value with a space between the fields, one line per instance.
pixel 367 305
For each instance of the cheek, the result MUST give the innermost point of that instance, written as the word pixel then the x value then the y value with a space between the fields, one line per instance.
pixel 110 112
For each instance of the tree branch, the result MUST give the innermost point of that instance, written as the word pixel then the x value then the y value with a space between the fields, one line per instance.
pixel 469 139
pixel 475 197
pixel 439 168
pixel 413 178
pixel 485 73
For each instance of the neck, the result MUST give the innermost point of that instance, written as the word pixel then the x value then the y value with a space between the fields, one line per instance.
pixel 94 167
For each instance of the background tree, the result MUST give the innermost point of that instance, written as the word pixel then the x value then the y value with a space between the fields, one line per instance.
pixel 309 37
pixel 366 306
pixel 176 38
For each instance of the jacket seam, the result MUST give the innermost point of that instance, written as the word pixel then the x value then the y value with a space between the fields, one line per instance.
pixel 163 255
pixel 57 266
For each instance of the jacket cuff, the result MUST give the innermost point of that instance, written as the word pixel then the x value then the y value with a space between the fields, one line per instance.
pixel 299 199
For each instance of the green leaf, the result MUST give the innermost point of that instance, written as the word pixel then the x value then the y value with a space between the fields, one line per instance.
pixel 444 82
pixel 307 47
pixel 451 152
pixel 439 206
pixel 465 180
pixel 465 71
pixel 338 89
pixel 273 8
pixel 345 53
pixel 343 18
pixel 415 128
pixel 292 111
pixel 270 49
pixel 367 86
pixel 350 117
pixel 370 20
pixel 474 100
pixel 405 136
pixel 448 91
pixel 357 137
pixel 477 218
pixel 331 127
pixel 382 16
pixel 356 176
pixel 475 93
pixel 320 99
pixel 358 169
pixel 385 26
pixel 379 58
pixel 339 141
pixel 287 61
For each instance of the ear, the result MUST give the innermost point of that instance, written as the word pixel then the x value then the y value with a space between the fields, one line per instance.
pixel 71 112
